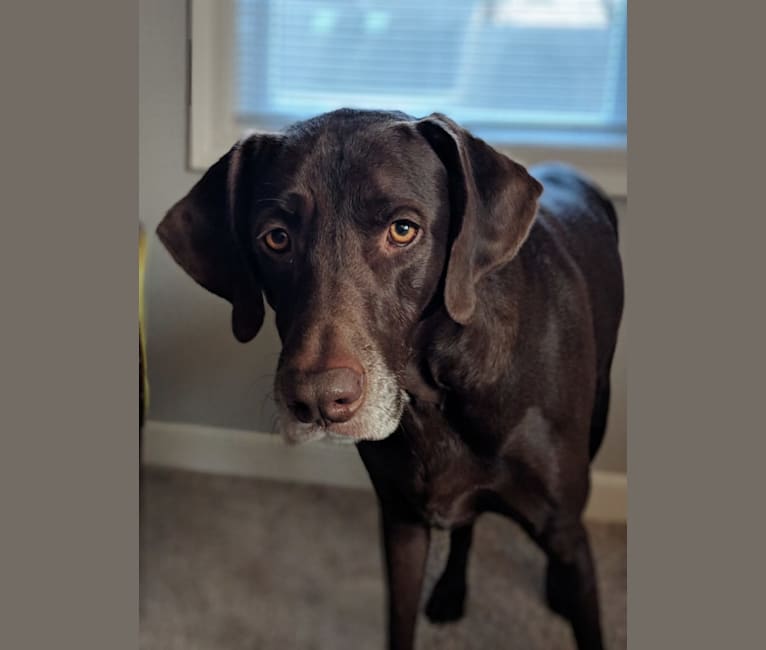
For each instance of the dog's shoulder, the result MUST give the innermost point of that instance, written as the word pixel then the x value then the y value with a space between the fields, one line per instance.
pixel 570 195
pixel 577 228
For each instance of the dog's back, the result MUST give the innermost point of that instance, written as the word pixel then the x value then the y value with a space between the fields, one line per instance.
pixel 585 225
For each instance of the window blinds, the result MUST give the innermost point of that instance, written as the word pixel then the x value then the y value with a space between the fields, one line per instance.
pixel 539 65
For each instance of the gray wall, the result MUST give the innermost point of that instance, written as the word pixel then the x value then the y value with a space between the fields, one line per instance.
pixel 197 371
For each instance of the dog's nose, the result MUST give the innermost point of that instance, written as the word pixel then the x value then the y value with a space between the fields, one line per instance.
pixel 329 396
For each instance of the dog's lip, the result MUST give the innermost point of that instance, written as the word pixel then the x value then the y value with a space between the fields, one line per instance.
pixel 337 438
pixel 340 432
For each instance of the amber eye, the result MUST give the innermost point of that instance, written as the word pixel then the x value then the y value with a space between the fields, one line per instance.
pixel 401 233
pixel 277 240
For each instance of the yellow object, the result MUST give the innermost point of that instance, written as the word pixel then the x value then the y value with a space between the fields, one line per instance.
pixel 142 377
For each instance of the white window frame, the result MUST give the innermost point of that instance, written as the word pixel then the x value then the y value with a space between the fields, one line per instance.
pixel 212 130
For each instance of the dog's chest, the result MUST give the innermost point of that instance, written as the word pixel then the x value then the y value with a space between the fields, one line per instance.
pixel 449 497
pixel 434 471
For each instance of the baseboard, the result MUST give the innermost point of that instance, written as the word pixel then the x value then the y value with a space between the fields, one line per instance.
pixel 263 455
pixel 247 453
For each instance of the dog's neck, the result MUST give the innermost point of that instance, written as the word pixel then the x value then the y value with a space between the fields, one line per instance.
pixel 462 359
pixel 420 385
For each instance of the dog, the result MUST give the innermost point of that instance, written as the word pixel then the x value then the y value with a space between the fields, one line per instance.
pixel 449 312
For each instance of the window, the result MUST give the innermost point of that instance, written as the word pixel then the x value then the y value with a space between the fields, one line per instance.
pixel 538 78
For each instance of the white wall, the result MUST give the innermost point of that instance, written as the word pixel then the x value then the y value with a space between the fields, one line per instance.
pixel 198 373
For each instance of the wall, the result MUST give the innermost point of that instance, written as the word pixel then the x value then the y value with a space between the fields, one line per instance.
pixel 197 371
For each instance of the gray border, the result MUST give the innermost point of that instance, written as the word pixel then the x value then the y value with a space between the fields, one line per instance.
pixel 70 506
pixel 70 482
pixel 693 293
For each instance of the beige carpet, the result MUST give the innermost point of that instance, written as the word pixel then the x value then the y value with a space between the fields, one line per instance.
pixel 242 564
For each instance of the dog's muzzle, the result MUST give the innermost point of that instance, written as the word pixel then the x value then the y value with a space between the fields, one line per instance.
pixel 348 403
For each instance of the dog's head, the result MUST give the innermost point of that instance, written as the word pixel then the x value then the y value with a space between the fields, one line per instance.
pixel 353 225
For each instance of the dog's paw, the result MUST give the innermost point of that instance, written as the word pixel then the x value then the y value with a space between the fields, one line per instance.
pixel 447 602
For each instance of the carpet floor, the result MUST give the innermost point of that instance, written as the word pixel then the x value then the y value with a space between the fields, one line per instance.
pixel 243 564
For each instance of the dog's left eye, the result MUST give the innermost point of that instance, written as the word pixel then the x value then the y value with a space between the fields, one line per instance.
pixel 277 240
pixel 402 232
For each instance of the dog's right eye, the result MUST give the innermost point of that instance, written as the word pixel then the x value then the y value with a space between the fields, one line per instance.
pixel 277 240
pixel 402 232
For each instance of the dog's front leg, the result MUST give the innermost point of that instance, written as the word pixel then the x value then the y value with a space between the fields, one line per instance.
pixel 447 600
pixel 405 543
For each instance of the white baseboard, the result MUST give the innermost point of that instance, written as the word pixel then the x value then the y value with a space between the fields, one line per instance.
pixel 264 455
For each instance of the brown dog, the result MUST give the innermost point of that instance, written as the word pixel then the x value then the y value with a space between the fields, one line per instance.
pixel 439 311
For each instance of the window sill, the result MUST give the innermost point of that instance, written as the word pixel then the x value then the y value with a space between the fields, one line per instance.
pixel 607 167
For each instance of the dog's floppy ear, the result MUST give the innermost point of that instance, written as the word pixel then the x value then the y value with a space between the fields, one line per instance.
pixel 200 232
pixel 493 201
